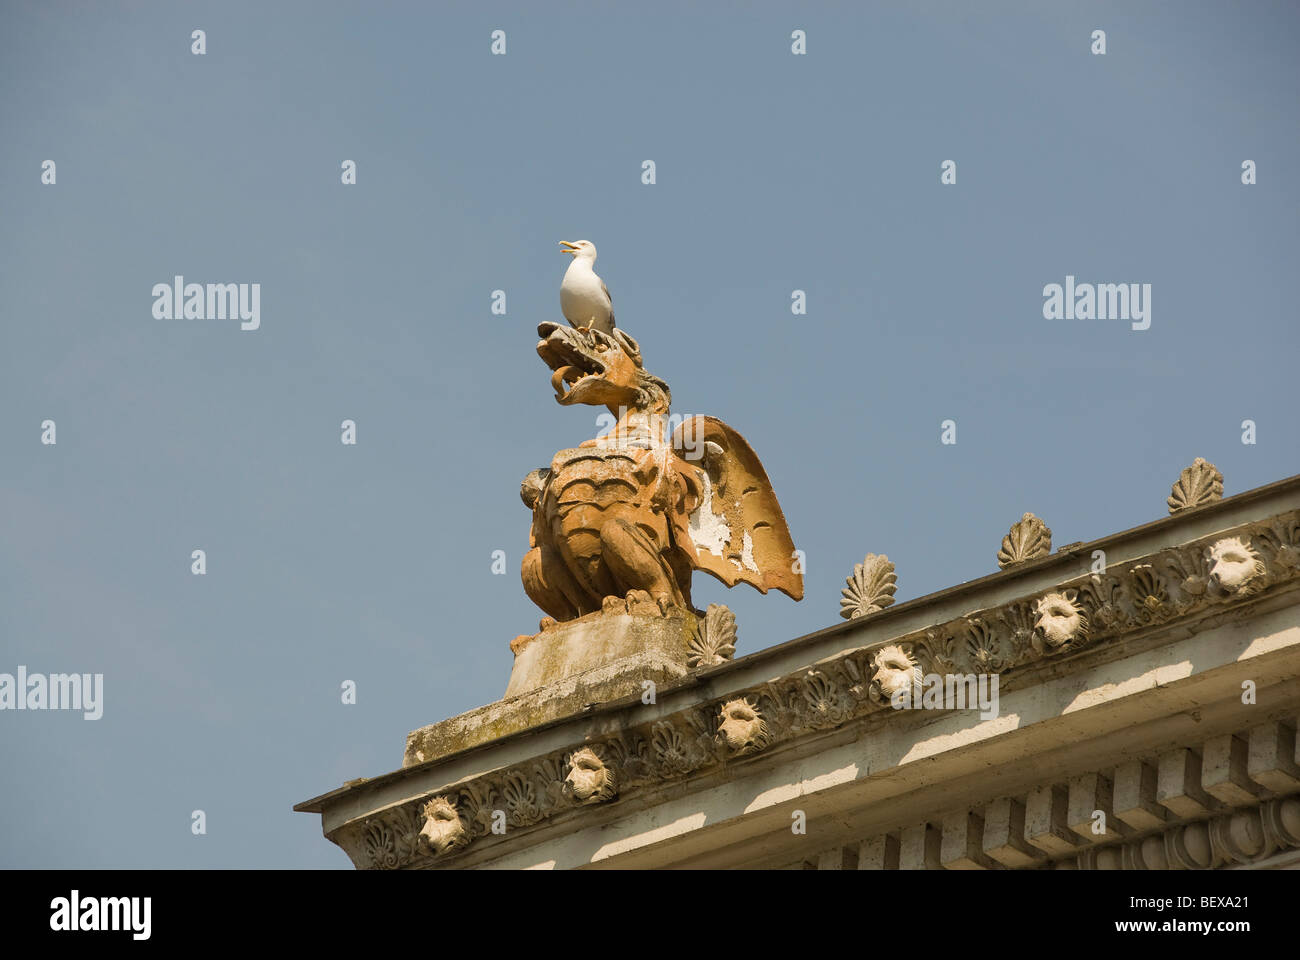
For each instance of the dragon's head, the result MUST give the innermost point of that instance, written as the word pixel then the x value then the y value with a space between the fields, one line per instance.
pixel 601 369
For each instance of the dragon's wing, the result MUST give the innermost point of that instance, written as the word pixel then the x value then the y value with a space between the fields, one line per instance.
pixel 731 525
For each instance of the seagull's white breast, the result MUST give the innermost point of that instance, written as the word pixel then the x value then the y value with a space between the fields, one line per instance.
pixel 582 296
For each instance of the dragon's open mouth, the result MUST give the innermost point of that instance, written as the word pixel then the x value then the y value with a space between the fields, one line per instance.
pixel 571 354
pixel 568 377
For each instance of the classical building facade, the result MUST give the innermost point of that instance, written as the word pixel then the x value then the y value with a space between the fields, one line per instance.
pixel 1129 703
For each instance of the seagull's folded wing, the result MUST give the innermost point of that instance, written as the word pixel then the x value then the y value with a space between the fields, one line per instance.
pixel 611 302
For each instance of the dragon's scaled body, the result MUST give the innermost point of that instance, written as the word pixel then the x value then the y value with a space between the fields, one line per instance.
pixel 623 519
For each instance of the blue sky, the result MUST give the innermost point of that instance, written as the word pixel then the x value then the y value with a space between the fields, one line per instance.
pixel 775 172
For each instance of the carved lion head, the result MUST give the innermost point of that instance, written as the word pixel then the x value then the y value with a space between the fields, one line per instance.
pixel 1058 618
pixel 741 729
pixel 1235 567
pixel 589 780
pixel 894 672
pixel 443 829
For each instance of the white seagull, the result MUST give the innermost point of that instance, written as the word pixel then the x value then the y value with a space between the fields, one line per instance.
pixel 584 298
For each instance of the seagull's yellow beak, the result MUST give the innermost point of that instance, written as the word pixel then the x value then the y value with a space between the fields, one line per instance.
pixel 568 247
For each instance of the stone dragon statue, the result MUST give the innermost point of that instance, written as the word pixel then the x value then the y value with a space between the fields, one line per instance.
pixel 622 520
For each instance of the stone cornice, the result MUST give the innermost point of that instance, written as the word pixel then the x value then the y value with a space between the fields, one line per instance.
pixel 1046 626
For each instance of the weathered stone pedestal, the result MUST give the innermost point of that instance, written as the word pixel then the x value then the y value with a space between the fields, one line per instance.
pixel 548 680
